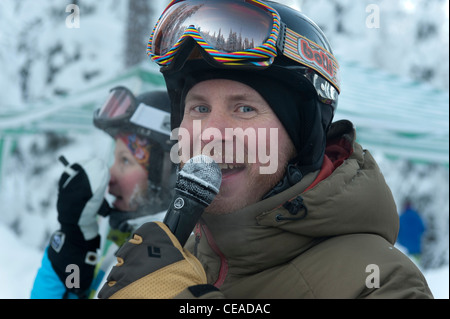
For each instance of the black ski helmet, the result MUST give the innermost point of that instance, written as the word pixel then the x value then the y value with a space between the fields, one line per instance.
pixel 140 120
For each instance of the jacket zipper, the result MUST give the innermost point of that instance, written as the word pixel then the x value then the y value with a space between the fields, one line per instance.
pixel 223 261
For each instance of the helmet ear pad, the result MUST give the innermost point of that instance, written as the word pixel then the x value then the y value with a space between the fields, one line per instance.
pixel 310 156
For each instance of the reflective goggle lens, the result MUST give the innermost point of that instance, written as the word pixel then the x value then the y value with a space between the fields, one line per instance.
pixel 117 104
pixel 226 26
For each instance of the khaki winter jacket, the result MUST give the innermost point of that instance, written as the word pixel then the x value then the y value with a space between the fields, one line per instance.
pixel 329 236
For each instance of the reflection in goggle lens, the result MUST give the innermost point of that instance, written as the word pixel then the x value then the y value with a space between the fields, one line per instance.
pixel 226 26
pixel 118 103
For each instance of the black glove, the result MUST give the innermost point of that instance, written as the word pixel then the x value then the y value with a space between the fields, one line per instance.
pixel 81 197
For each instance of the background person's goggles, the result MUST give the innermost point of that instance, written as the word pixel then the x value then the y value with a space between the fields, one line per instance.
pixel 121 113
pixel 118 108
pixel 235 33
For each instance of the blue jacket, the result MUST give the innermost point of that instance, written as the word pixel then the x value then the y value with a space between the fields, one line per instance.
pixel 411 230
pixel 47 284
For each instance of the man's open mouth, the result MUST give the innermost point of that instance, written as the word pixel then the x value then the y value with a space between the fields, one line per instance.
pixel 230 169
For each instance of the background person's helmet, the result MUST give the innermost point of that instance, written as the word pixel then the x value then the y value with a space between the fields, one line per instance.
pixel 147 117
pixel 301 85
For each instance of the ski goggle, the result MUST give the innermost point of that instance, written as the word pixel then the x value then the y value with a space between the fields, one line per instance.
pixel 235 33
pixel 122 113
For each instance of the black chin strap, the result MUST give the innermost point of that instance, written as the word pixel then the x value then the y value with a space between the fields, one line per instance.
pixel 292 176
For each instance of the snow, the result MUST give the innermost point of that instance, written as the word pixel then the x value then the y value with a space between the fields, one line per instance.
pixel 438 282
pixel 41 59
pixel 17 276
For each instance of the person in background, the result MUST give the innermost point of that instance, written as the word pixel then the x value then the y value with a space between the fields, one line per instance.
pixel 411 230
pixel 315 221
pixel 140 179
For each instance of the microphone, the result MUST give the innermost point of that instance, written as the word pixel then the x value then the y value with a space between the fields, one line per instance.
pixel 197 184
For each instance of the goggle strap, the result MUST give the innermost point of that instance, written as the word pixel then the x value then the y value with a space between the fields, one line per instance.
pixel 312 55
pixel 281 37
pixel 152 118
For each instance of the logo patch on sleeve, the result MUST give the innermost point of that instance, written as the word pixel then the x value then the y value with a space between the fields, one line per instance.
pixel 57 241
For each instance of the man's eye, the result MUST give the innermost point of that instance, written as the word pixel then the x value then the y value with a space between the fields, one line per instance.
pixel 246 109
pixel 201 109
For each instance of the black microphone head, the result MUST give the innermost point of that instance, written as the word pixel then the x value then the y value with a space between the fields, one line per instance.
pixel 200 177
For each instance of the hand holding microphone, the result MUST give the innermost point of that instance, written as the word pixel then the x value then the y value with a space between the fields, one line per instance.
pixel 154 264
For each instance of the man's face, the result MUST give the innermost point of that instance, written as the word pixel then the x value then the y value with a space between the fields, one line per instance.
pixel 224 106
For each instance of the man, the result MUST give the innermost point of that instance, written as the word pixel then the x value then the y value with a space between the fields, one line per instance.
pixel 322 224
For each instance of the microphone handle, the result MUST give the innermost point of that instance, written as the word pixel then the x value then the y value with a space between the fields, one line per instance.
pixel 182 215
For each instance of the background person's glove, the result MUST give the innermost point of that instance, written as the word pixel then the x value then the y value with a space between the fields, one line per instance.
pixel 152 264
pixel 82 189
